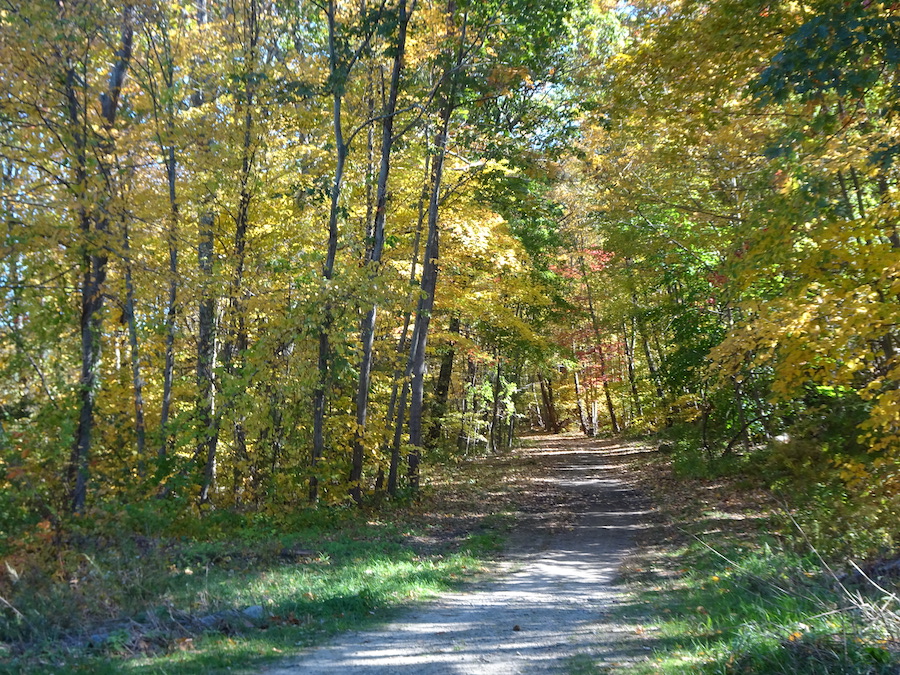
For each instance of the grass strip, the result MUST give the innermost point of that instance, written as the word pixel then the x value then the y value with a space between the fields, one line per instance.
pixel 722 584
pixel 256 589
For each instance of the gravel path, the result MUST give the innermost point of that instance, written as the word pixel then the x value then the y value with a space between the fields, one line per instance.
pixel 548 613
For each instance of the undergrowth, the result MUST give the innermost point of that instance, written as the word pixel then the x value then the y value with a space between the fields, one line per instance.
pixel 744 579
pixel 252 589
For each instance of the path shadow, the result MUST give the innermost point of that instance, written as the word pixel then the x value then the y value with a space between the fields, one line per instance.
pixel 555 604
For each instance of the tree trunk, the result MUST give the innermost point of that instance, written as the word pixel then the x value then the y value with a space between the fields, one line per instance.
pixel 140 432
pixel 367 337
pixel 171 308
pixel 430 269
pixel 235 351
pixel 93 261
pixel 648 355
pixel 394 469
pixel 441 390
pixel 462 438
pixel 206 357
pixel 397 415
pixel 581 416
pixel 167 148
pixel 628 342
pixel 495 407
pixel 599 346
pixel 324 359
pixel 553 425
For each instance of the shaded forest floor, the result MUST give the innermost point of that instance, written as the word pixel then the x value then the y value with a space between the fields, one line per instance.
pixel 244 589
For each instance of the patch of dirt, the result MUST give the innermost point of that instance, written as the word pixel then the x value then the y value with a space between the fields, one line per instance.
pixel 552 607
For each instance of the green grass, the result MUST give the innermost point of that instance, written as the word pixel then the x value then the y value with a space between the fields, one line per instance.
pixel 355 576
pixel 764 611
pixel 125 603
pixel 736 592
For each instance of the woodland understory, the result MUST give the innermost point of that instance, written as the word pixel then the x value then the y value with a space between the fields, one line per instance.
pixel 261 257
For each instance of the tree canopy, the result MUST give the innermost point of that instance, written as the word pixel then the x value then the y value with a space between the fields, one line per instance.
pixel 261 254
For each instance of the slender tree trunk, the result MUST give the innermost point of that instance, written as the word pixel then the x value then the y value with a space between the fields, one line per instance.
pixel 599 346
pixel 93 278
pixel 324 359
pixel 648 355
pixel 742 416
pixel 628 342
pixel 537 408
pixel 273 436
pixel 93 261
pixel 235 351
pixel 441 390
pixel 171 307
pixel 553 425
pixel 394 469
pixel 166 141
pixel 581 415
pixel 888 341
pixel 367 337
pixel 140 431
pixel 495 407
pixel 511 431
pixel 462 438
pixel 430 269
pixel 206 357
pixel 396 415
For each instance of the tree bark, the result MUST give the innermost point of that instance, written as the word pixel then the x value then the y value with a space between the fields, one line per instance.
pixel 367 337
pixel 166 142
pixel 234 352
pixel 581 415
pixel 553 424
pixel 171 307
pixel 441 390
pixel 206 357
pixel 324 358
pixel 599 346
pixel 396 414
pixel 495 406
pixel 628 342
pixel 430 268
pixel 93 261
pixel 140 431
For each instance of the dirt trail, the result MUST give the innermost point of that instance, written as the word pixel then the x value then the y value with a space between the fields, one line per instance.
pixel 548 613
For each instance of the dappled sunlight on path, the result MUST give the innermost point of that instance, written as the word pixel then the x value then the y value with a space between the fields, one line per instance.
pixel 549 607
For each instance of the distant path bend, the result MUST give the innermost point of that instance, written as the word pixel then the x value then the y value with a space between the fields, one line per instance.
pixel 545 614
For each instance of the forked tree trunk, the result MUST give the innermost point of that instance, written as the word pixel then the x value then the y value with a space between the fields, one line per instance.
pixel 430 269
pixel 553 424
pixel 94 260
pixel 367 337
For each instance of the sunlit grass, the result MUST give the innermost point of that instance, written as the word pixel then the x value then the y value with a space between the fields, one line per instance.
pixel 762 611
pixel 732 591
pixel 255 588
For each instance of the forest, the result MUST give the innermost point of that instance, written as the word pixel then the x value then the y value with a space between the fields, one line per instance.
pixel 263 257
